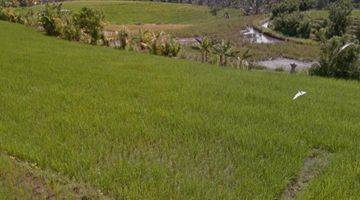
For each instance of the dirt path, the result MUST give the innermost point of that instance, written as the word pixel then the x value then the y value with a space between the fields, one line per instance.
pixel 24 180
pixel 312 167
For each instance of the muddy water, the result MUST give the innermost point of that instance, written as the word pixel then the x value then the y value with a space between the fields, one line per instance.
pixel 255 36
pixel 284 63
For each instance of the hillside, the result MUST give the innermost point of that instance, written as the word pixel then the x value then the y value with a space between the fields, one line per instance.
pixel 187 21
pixel 148 127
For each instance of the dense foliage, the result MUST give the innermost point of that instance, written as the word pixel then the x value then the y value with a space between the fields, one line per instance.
pixel 293 24
pixel 340 59
pixel 285 7
pixel 90 22
pixel 339 16
pixel 289 20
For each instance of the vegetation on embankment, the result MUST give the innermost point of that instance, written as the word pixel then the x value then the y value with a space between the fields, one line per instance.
pixel 183 20
pixel 141 126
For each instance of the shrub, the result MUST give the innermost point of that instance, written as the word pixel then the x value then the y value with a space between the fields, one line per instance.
pixel 339 16
pixel 30 18
pixel 144 40
pixel 9 14
pixel 170 47
pixel 69 30
pixel 339 58
pixel 124 37
pixel 90 22
pixel 284 7
pixel 293 24
pixel 306 4
pixel 50 19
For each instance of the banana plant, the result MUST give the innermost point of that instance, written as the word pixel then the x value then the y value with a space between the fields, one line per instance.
pixel 124 37
pixel 225 50
pixel 242 59
pixel 203 45
pixel 144 39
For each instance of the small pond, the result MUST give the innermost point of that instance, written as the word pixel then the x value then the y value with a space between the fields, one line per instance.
pixel 284 63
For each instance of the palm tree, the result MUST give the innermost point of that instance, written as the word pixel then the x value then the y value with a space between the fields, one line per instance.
pixel 204 46
pixel 224 50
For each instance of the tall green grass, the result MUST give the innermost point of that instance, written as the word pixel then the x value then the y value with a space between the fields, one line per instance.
pixel 147 127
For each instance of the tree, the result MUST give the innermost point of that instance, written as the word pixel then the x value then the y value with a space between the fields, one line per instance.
pixel 204 46
pixel 339 16
pixel 293 24
pixel 224 50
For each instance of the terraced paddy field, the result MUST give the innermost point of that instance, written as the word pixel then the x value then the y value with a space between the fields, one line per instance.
pixel 136 126
pixel 187 21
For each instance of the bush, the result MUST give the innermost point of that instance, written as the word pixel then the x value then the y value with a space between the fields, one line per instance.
pixel 124 37
pixel 285 7
pixel 170 48
pixel 50 19
pixel 69 30
pixel 339 16
pixel 90 22
pixel 9 14
pixel 30 18
pixel 306 5
pixel 293 24
pixel 339 58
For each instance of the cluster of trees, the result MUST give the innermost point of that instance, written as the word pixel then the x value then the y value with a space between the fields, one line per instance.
pixel 338 21
pixel 288 18
pixel 223 49
pixel 340 56
pixel 340 47
pixel 154 43
pixel 87 26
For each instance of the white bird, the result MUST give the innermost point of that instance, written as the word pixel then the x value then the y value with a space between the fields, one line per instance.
pixel 300 93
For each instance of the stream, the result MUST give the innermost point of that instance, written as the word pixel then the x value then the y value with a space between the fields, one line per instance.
pixel 255 36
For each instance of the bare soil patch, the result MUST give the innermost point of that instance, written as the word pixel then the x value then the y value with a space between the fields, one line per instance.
pixel 26 178
pixel 312 168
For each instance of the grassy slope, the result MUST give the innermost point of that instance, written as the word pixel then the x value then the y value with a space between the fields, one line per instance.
pixel 203 23
pixel 128 12
pixel 140 126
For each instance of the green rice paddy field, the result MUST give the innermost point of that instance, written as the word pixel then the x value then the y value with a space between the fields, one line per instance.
pixel 137 126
